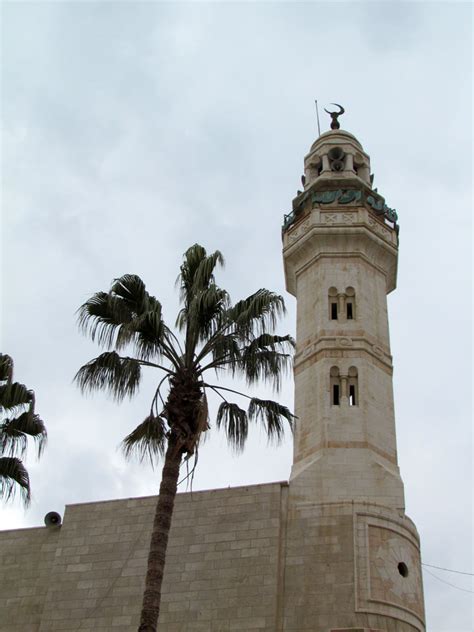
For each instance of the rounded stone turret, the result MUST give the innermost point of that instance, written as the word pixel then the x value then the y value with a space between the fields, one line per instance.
pixel 336 155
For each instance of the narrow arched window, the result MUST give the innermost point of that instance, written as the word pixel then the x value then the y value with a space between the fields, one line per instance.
pixel 333 306
pixel 353 385
pixel 335 386
pixel 350 303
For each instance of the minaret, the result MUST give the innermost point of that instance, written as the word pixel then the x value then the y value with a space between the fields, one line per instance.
pixel 352 557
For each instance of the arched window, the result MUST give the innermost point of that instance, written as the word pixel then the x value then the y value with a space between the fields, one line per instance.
pixel 350 303
pixel 341 305
pixel 335 386
pixel 333 306
pixel 353 386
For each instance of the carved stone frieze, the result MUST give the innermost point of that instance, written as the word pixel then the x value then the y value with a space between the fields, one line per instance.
pixel 339 347
pixel 298 231
pixel 338 218
pixel 378 228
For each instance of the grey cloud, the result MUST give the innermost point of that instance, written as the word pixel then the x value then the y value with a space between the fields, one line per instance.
pixel 132 131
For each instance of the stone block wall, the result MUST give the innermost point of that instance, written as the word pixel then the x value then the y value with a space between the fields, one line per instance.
pixel 341 569
pixel 222 571
pixel 26 560
pixel 245 559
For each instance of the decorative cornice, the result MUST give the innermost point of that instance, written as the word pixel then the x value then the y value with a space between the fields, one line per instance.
pixel 341 196
pixel 342 347
pixel 359 445
pixel 340 232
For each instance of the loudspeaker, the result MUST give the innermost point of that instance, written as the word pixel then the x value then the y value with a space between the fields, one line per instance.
pixel 336 153
pixel 337 165
pixel 52 519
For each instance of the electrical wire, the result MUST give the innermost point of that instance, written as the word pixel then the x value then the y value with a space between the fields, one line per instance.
pixel 448 583
pixel 449 570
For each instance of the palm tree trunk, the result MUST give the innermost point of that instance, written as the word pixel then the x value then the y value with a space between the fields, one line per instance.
pixel 159 538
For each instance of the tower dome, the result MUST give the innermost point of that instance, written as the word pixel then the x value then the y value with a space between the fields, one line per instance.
pixel 336 155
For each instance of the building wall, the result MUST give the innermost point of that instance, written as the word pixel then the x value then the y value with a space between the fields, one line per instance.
pixel 341 569
pixel 223 565
pixel 26 560
pixel 247 558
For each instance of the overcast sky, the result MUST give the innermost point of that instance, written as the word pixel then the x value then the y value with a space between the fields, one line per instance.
pixel 133 130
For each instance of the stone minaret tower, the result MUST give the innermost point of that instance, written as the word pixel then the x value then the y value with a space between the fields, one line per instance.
pixel 353 557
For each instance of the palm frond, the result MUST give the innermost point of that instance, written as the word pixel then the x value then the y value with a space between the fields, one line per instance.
pixel 6 368
pixel 196 271
pixel 102 316
pixel 149 329
pixel 14 477
pixel 110 372
pixel 235 422
pixel 204 275
pixel 192 258
pixel 131 290
pixel 125 315
pixel 205 311
pixel 257 313
pixel 273 416
pixel 14 396
pixel 147 441
pixel 14 434
pixel 264 365
pixel 226 352
pixel 271 341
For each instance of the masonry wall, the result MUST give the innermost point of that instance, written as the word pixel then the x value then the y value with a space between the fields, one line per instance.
pixel 341 570
pixel 223 567
pixel 26 560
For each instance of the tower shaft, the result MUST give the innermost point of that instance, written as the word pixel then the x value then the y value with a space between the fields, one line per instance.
pixel 361 563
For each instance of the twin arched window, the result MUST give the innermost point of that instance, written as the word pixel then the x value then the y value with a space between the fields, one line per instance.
pixel 344 387
pixel 341 304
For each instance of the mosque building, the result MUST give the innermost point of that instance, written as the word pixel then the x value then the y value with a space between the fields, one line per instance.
pixel 329 551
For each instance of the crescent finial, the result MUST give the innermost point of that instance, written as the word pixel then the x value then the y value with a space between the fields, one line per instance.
pixel 334 116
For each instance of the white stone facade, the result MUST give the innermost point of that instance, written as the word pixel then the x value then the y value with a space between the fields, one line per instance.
pixel 340 249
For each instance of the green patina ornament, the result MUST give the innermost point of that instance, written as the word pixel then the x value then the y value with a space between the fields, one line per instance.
pixel 376 204
pixel 343 196
pixel 351 195
pixel 391 214
pixel 326 197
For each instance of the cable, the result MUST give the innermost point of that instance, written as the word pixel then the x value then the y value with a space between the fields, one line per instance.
pixel 448 583
pixel 450 570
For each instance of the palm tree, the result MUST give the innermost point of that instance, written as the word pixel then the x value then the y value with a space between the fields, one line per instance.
pixel 215 335
pixel 18 403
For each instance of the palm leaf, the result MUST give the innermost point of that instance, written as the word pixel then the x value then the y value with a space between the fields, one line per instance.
pixel 196 271
pixel 111 372
pixel 257 313
pixel 205 312
pixel 13 476
pixel 277 343
pixel 148 331
pixel 226 352
pixel 147 441
pixel 131 290
pixel 192 258
pixel 14 434
pixel 102 315
pixel 273 416
pixel 6 368
pixel 204 275
pixel 235 422
pixel 14 396
pixel 264 365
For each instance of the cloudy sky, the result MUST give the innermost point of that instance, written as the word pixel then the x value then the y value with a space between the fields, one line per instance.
pixel 133 130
